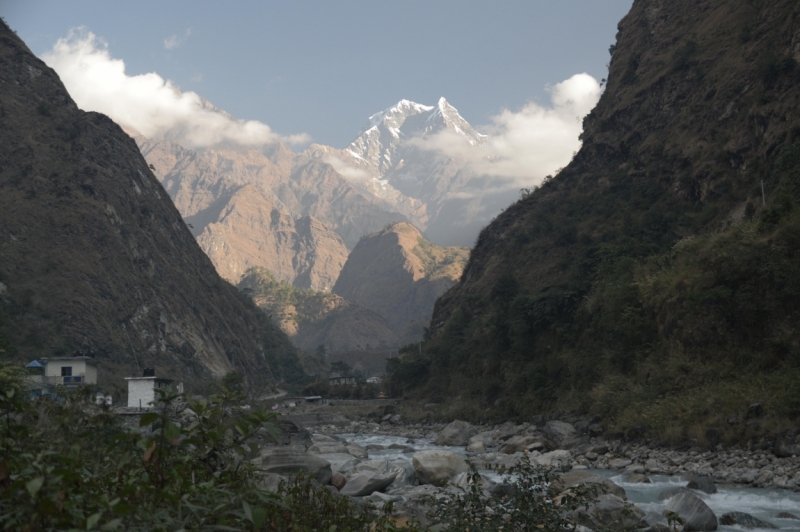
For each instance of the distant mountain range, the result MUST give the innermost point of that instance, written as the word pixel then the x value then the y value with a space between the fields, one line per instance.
pixel 298 215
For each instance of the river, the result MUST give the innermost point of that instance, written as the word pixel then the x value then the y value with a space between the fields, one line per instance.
pixel 764 504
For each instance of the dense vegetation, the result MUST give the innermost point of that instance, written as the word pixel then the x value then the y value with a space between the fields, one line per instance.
pixel 646 283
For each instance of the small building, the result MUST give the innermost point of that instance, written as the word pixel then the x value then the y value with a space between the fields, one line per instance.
pixel 313 399
pixel 142 390
pixel 69 371
pixel 374 380
pixel 338 379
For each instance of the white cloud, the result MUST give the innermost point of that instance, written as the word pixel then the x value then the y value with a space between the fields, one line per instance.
pixel 527 145
pixel 351 173
pixel 147 103
pixel 173 41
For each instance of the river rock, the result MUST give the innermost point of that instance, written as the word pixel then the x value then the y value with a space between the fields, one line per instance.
pixel 619 463
pixel 456 434
pixel 366 484
pixel 438 467
pixel 695 514
pixel 476 447
pixel 656 522
pixel 356 450
pixel 377 466
pixel 575 478
pixel 559 433
pixel 517 444
pixel 702 483
pixel 485 438
pixel 743 520
pixel 290 433
pixel 290 462
pixel 405 474
pixel 558 459
pixel 338 481
pixel 340 462
pixel 328 448
pixel 638 478
pixel 610 511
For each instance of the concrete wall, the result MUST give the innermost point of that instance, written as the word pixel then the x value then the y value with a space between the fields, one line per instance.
pixel 91 374
pixel 141 389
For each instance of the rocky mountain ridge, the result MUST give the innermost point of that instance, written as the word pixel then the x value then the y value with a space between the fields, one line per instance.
pixel 94 257
pixel 398 274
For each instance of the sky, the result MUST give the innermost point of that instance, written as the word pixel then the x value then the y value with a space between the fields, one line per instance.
pixel 316 70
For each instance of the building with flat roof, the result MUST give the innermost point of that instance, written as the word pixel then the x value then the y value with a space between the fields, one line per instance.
pixel 142 390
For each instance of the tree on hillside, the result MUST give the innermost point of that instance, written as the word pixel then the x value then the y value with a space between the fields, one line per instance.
pixel 341 367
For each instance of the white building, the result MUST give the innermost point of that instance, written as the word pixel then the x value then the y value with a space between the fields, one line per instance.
pixel 70 371
pixel 142 390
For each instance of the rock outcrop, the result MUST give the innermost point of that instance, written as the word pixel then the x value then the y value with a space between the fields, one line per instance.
pixel 96 258
pixel 251 231
pixel 398 274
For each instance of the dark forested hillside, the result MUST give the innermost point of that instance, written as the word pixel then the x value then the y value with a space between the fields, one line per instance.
pixel 94 257
pixel 648 282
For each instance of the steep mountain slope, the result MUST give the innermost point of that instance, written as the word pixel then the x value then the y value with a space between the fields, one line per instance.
pixel 313 318
pixel 398 274
pixel 203 182
pixel 252 231
pixel 95 256
pixel 646 282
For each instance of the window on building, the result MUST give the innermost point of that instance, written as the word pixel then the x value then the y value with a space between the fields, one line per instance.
pixel 66 371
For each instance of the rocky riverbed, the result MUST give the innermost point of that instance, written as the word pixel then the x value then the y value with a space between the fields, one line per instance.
pixel 402 463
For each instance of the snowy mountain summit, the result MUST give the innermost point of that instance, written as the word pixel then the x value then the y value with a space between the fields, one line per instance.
pixel 379 146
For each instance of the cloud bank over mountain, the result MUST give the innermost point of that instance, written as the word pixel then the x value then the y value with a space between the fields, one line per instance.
pixel 525 146
pixel 147 103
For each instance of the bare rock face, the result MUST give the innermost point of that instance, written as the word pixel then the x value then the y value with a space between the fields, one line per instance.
pixel 252 231
pixel 202 182
pixel 398 274
pixel 95 257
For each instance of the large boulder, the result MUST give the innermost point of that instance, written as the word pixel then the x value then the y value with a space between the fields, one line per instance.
pixel 356 450
pixel 290 433
pixel 577 478
pixel 560 433
pixel 377 466
pixel 743 520
pixel 340 462
pixel 291 463
pixel 612 512
pixel 702 483
pixel 366 484
pixel 456 434
pixel 557 459
pixel 328 448
pixel 438 467
pixel 405 474
pixel 521 443
pixel 695 514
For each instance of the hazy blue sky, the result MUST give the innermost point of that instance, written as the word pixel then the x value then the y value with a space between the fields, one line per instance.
pixel 322 67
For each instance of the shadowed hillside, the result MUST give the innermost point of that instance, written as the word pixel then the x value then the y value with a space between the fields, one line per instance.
pixel 94 257
pixel 646 283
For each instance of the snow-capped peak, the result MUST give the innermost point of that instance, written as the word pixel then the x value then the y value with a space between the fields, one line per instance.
pixel 382 136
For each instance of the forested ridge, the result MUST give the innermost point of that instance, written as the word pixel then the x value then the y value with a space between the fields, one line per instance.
pixel 648 283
